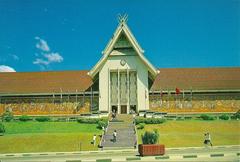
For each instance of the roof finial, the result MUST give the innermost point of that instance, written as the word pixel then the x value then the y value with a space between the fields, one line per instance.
pixel 122 18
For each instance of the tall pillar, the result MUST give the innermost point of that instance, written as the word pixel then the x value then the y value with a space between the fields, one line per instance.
pixel 118 74
pixel 109 93
pixel 128 94
pixel 91 99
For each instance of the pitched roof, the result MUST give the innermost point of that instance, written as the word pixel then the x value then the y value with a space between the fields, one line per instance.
pixel 123 29
pixel 197 79
pixel 168 79
pixel 44 82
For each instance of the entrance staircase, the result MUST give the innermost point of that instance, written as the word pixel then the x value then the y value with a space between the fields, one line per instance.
pixel 126 137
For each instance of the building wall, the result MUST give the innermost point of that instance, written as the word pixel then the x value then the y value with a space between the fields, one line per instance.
pixel 132 63
pixel 48 105
pixel 213 102
pixel 196 103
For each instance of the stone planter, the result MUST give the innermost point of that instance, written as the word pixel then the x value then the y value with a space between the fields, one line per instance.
pixel 151 149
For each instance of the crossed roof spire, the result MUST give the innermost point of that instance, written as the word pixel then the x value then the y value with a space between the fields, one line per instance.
pixel 122 18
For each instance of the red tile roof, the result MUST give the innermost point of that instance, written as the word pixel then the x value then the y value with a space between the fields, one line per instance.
pixel 198 79
pixel 44 82
pixel 70 81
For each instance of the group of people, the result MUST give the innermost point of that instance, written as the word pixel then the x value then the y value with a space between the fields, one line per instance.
pixel 207 136
pixel 114 114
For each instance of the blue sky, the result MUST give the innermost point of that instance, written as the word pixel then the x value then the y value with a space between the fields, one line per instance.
pixel 45 35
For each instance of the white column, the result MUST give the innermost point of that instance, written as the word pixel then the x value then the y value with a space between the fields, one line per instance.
pixel 91 100
pixel 109 92
pixel 128 96
pixel 118 91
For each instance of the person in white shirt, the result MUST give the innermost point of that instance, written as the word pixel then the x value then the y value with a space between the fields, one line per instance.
pixel 94 139
pixel 207 138
pixel 114 136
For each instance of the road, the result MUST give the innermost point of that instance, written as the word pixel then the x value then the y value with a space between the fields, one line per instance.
pixel 218 154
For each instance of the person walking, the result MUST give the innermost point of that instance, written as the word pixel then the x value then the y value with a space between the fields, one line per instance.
pixel 94 140
pixel 207 139
pixel 113 114
pixel 134 117
pixel 115 136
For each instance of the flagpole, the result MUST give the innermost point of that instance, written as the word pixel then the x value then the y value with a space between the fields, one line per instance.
pixel 191 98
pixel 183 98
pixel 168 98
pixel 161 95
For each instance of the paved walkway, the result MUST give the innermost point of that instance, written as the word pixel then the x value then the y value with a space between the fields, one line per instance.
pixel 126 137
pixel 213 154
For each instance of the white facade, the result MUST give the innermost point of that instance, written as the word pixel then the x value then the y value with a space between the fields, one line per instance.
pixel 123 73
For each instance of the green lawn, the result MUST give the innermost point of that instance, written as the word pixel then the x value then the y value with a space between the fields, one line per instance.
pixel 191 133
pixel 47 136
pixel 49 127
pixel 66 136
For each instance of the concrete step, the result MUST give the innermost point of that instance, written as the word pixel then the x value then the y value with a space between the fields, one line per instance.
pixel 125 117
pixel 126 137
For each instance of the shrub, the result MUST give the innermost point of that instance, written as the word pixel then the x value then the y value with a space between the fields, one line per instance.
pixel 25 118
pixel 42 119
pixel 88 120
pixel 101 124
pixel 150 137
pixel 236 115
pixel 180 118
pixel 2 129
pixel 91 121
pixel 141 126
pixel 139 120
pixel 187 117
pixel 7 116
pixel 224 117
pixel 206 117
pixel 149 120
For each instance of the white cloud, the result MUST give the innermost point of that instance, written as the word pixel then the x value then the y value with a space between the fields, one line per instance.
pixel 4 68
pixel 51 58
pixel 46 56
pixel 39 61
pixel 42 44
pixel 54 57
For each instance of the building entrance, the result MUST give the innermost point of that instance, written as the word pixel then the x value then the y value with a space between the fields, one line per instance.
pixel 123 89
pixel 114 109
pixel 123 109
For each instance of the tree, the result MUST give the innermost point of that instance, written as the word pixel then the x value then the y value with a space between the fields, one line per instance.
pixel 7 116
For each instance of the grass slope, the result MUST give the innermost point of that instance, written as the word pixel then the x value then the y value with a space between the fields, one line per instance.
pixel 191 133
pixel 49 127
pixel 47 136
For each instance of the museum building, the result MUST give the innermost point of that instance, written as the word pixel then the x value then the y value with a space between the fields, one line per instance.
pixel 123 80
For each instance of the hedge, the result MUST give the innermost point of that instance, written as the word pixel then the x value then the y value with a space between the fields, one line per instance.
pixel 140 125
pixel 224 117
pixel 43 119
pixel 91 120
pixel 25 118
pixel 206 117
pixel 149 120
pixel 236 115
pixel 101 122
